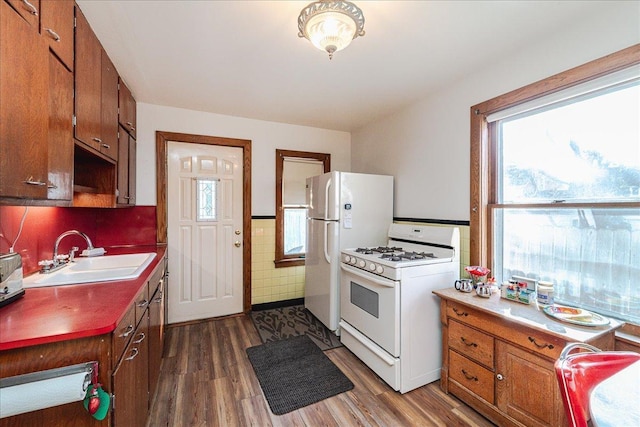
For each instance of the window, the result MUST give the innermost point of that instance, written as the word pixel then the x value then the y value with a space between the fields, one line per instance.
pixel 556 185
pixel 292 170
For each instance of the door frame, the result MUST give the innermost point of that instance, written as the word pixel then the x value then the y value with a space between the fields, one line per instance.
pixel 162 139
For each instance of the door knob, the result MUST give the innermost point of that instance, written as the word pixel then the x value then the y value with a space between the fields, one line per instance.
pixel 237 244
pixel 237 232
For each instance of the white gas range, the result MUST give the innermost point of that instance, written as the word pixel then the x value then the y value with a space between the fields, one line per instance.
pixel 390 318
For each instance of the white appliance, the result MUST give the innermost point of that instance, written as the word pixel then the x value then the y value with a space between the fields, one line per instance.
pixel 390 318
pixel 345 210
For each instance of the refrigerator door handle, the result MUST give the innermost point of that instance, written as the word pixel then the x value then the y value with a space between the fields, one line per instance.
pixel 326 201
pixel 326 242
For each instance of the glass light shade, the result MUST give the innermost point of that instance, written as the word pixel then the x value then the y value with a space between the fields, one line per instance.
pixel 331 25
pixel 331 31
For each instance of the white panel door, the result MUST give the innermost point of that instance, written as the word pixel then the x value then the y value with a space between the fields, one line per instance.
pixel 204 214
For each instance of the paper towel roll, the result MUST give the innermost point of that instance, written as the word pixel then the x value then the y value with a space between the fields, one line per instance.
pixel 36 395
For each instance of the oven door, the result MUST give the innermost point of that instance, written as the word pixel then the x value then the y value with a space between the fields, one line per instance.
pixel 371 304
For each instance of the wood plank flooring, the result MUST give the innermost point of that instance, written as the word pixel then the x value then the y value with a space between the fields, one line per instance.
pixel 206 380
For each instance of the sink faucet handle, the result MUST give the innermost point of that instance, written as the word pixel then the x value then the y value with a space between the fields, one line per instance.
pixel 72 253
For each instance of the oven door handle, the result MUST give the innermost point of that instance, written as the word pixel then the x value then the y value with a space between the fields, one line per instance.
pixel 370 277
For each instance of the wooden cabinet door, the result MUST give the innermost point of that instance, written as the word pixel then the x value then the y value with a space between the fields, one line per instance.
pixel 109 91
pixel 127 105
pixel 131 382
pixel 61 144
pixel 88 78
pixel 24 108
pixel 56 26
pixel 156 328
pixel 526 387
pixel 29 10
pixel 126 188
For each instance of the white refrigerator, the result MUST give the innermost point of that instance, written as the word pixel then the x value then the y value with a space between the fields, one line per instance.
pixel 346 210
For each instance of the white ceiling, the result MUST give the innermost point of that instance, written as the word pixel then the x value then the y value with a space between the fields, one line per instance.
pixel 244 58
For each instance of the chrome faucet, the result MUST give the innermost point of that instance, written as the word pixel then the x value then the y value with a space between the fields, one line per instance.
pixel 62 236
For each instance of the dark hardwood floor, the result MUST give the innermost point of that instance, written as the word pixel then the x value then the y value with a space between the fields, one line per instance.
pixel 206 380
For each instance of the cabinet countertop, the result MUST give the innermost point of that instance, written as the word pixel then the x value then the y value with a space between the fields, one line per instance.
pixel 528 315
pixel 58 313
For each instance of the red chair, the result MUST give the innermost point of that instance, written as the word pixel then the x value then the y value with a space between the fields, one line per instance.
pixel 579 373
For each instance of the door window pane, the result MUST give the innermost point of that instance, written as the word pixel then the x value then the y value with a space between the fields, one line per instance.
pixel 207 190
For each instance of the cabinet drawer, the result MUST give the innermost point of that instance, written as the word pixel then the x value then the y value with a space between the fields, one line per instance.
pixel 538 342
pixel 141 303
pixel 472 376
pixel 123 333
pixel 472 343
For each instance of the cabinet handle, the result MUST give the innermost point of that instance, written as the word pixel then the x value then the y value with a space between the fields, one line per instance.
pixel 468 343
pixel 134 353
pixel 469 377
pixel 131 126
pixel 499 377
pixel 127 331
pixel 139 340
pixel 107 146
pixel 159 299
pixel 143 303
pixel 533 340
pixel 52 185
pixel 460 313
pixel 31 8
pixel 98 140
pixel 31 181
pixel 53 34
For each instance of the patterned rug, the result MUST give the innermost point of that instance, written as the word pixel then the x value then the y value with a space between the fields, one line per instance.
pixel 286 322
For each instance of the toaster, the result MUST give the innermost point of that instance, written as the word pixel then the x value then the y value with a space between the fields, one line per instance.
pixel 10 278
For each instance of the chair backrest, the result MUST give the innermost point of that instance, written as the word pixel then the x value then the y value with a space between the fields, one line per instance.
pixel 579 373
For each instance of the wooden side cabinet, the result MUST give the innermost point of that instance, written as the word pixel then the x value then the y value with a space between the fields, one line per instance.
pixel 127 109
pixel 498 358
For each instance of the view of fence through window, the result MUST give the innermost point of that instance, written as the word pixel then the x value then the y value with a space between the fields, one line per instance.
pixel 295 225
pixel 583 151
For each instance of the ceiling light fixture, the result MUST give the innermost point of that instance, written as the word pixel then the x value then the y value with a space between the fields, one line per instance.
pixel 331 25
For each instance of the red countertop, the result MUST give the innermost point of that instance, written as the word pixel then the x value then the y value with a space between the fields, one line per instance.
pixel 59 313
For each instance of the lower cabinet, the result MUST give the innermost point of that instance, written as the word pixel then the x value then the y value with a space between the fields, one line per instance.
pixel 504 369
pixel 131 381
pixel 137 368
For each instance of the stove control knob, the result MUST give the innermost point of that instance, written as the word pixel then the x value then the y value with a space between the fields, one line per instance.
pixel 372 267
pixel 362 263
pixel 353 260
pixel 347 259
pixel 380 269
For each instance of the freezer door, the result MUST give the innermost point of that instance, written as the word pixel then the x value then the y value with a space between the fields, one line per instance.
pixel 322 269
pixel 323 196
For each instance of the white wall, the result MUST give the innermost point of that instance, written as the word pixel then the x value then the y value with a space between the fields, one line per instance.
pixel 426 145
pixel 266 137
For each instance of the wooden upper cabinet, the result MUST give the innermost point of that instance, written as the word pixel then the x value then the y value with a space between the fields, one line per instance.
pixel 127 105
pixel 29 10
pixel 24 108
pixel 88 80
pixel 109 95
pixel 56 26
pixel 60 131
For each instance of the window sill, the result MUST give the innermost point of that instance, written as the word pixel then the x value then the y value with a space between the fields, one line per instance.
pixel 289 262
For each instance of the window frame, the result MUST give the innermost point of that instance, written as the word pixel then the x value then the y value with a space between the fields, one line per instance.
pixel 281 259
pixel 483 146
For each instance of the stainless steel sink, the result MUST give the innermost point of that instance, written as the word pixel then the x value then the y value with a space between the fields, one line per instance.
pixel 97 269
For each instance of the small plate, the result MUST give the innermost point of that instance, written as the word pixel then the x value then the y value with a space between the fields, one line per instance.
pixel 576 316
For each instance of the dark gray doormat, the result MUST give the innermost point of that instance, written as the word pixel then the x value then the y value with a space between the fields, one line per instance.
pixel 286 322
pixel 294 373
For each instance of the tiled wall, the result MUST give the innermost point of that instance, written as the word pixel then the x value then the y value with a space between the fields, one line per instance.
pixel 270 284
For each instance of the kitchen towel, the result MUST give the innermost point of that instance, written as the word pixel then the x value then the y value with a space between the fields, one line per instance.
pixel 35 395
